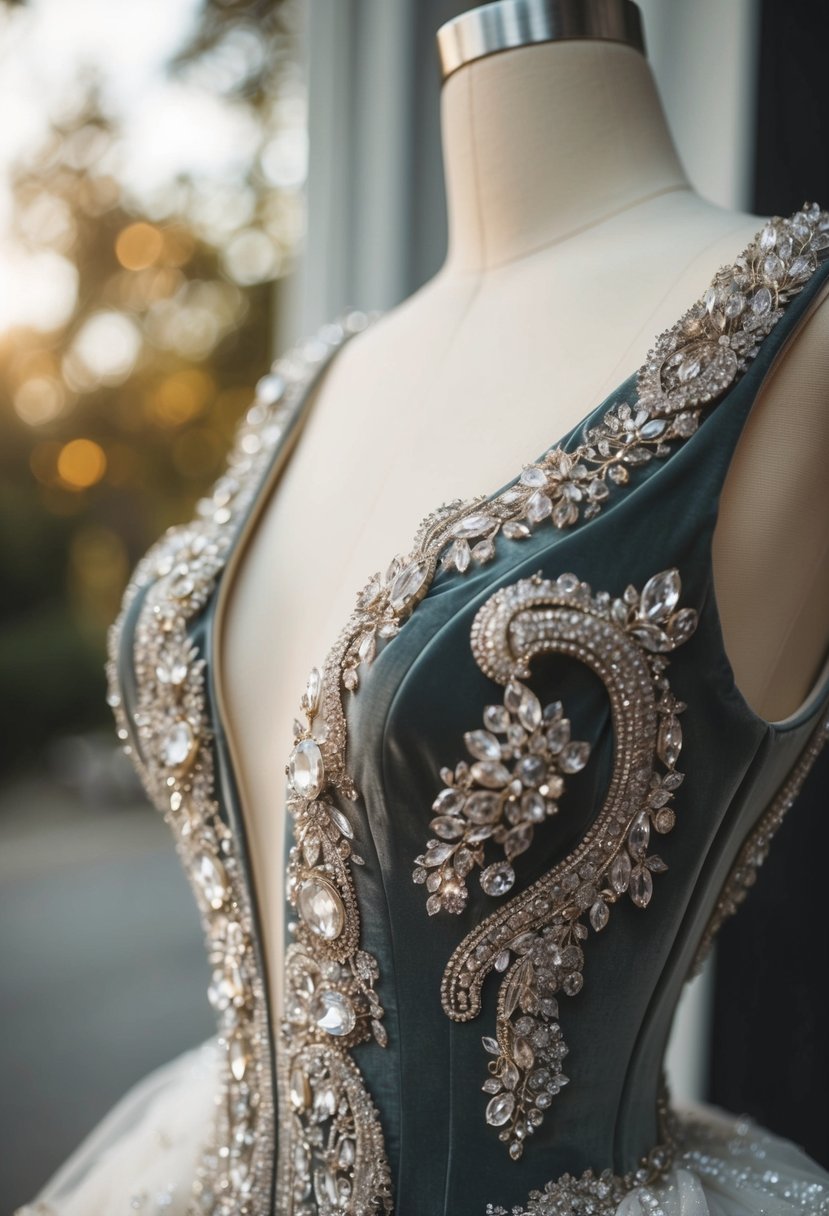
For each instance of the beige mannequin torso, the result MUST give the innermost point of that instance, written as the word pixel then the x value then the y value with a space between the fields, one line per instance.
pixel 549 298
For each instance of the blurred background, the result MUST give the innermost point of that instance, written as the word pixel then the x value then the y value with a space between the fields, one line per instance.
pixel 186 187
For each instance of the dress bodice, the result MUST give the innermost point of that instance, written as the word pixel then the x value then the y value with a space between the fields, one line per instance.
pixel 524 792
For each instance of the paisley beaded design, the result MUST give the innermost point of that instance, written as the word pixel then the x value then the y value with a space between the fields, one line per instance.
pixel 536 940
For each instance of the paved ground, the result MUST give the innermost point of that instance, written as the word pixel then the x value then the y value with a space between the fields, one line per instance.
pixel 103 971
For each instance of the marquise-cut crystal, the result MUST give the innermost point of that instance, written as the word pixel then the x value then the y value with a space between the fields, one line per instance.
pixel 473 525
pixel 660 595
pixel 238 1056
pixel 305 768
pixel 321 908
pixel 213 879
pixel 669 743
pixel 482 745
pixel 407 583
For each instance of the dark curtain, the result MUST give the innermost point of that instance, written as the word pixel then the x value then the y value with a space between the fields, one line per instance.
pixel 770 1056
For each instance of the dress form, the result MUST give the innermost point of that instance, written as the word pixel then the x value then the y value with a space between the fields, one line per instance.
pixel 575 238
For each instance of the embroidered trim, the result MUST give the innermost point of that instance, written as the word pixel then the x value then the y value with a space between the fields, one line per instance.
pixel 536 939
pixel 335 1152
pixel 175 762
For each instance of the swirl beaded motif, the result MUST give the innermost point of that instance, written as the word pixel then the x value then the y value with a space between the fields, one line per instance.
pixel 168 738
pixel 536 940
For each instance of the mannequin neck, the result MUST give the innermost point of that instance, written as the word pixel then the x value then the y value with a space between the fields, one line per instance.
pixel 545 140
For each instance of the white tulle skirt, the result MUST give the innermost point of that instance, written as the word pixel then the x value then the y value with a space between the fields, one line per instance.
pixel 143 1155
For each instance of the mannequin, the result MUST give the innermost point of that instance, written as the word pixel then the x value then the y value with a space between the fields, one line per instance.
pixel 575 238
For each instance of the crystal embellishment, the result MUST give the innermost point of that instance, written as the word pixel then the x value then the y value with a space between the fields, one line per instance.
pixel 537 940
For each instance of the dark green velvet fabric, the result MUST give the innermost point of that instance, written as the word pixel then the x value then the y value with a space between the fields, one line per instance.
pixel 423 691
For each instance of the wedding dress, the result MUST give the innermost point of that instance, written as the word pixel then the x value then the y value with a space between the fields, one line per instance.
pixel 524 793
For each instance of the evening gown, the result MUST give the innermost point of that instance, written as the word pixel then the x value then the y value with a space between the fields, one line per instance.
pixel 523 794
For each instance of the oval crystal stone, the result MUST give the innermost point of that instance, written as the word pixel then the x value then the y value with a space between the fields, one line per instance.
pixel 334 1013
pixel 299 1090
pixel 321 908
pixel 213 879
pixel 499 1109
pixel 179 744
pixel 306 771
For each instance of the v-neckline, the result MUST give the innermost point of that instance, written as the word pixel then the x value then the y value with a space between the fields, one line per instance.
pixel 309 393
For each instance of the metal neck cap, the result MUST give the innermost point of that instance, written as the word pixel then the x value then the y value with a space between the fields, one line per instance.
pixel 512 23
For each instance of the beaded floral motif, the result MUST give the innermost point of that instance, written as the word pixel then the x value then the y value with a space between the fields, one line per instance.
pixel 167 734
pixel 491 801
pixel 690 366
pixel 536 940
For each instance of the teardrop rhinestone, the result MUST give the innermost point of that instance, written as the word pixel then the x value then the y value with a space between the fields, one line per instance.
pixel 213 879
pixel 238 1057
pixel 497 879
pixel 312 690
pixel 660 596
pixel 574 757
pixel 334 1013
pixel 499 1109
pixel 529 711
pixel 306 772
pixel 640 834
pixel 599 915
pixel 496 719
pixel 321 908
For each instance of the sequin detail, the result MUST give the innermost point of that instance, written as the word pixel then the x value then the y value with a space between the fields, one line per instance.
pixel 536 940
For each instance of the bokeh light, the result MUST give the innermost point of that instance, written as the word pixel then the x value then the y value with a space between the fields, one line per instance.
pixel 81 463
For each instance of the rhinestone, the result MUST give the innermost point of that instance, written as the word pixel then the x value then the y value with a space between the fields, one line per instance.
pixel 334 1013
pixel 213 879
pixel 305 768
pixel 321 908
pixel 497 879
pixel 179 746
pixel 499 1109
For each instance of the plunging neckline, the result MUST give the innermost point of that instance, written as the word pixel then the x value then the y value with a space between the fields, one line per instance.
pixel 310 392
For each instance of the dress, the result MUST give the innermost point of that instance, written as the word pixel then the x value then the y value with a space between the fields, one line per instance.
pixel 524 793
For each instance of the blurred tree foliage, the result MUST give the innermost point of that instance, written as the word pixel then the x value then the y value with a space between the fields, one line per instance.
pixel 116 413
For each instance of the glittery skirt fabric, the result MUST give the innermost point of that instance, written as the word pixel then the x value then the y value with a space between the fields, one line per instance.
pixel 143 1155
